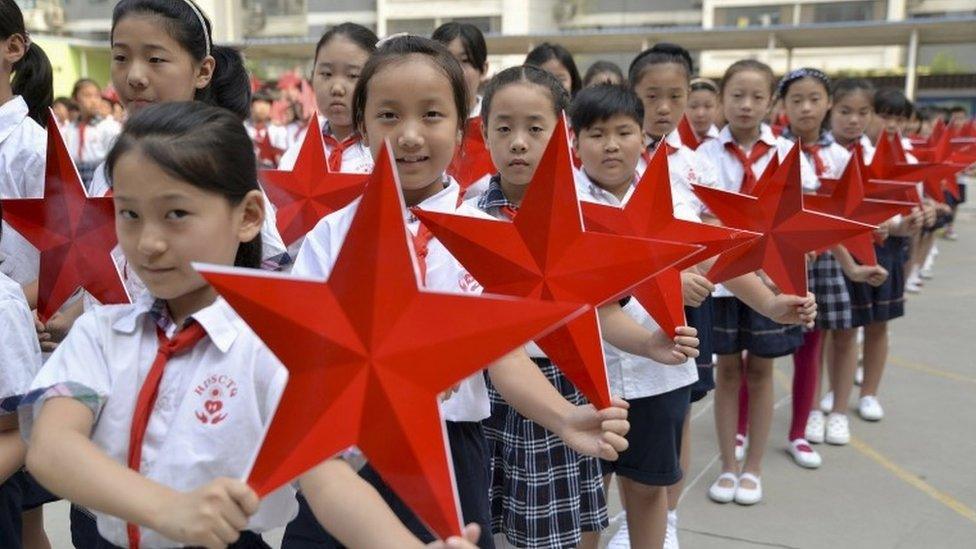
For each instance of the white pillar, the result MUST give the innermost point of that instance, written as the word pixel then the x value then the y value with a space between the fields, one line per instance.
pixel 84 63
pixel 770 48
pixel 911 73
pixel 789 59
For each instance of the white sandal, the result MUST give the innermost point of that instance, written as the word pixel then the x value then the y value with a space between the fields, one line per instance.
pixel 748 496
pixel 723 494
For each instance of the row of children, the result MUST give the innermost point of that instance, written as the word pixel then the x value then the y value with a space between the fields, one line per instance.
pixel 531 458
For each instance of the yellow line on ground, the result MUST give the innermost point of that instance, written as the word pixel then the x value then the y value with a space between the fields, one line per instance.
pixel 930 370
pixel 959 507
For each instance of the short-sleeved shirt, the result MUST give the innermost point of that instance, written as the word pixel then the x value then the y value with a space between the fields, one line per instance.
pixel 23 149
pixel 20 354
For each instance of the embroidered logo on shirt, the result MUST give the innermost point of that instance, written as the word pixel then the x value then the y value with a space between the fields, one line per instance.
pixel 215 390
pixel 467 283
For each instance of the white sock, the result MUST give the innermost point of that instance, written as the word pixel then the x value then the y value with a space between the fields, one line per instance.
pixel 673 517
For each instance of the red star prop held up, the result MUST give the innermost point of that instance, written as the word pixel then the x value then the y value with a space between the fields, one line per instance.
pixel 309 191
pixel 788 230
pixel 884 165
pixel 75 233
pixel 848 201
pixel 545 254
pixel 650 214
pixel 687 133
pixel 472 160
pixel 368 353
pixel 267 153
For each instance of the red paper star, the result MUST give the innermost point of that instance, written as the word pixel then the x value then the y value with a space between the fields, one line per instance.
pixel 545 254
pixel 74 233
pixel 267 153
pixel 788 229
pixel 943 152
pixel 848 201
pixel 884 165
pixel 472 161
pixel 650 214
pixel 687 133
pixel 368 353
pixel 309 191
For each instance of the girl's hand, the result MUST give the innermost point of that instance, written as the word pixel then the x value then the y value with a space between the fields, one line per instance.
pixel 882 231
pixel 597 433
pixel 212 516
pixel 55 330
pixel 792 309
pixel 875 276
pixel 695 288
pixel 43 338
pixel 677 351
pixel 469 538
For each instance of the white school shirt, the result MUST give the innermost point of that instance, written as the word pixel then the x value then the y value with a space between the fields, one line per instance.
pixel 729 169
pixel 292 132
pixel 99 136
pixel 20 354
pixel 867 151
pixel 833 156
pixel 633 376
pixel 23 149
pixel 320 250
pixel 277 135
pixel 215 401
pixel 355 159
pixel 685 167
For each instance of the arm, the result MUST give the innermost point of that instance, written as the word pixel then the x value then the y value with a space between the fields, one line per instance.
pixel 624 333
pixel 874 275
pixel 63 458
pixel 782 308
pixel 57 327
pixel 12 448
pixel 30 292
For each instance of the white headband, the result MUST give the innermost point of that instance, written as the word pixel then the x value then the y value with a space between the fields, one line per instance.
pixel 391 37
pixel 203 22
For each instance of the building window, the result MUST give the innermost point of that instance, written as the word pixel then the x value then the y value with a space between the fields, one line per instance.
pixel 754 16
pixel 833 12
pixel 422 27
pixel 486 25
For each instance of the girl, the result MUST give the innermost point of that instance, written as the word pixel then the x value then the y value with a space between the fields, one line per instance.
pixel 603 72
pixel 185 190
pixel 162 52
pixel 89 137
pixel 412 94
pixel 740 153
pixel 556 60
pixel 703 108
pixel 23 109
pixel 467 45
pixel 340 56
pixel 543 493
pixel 270 139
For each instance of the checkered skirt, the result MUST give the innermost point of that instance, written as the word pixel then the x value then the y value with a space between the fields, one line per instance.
pixel 826 281
pixel 543 494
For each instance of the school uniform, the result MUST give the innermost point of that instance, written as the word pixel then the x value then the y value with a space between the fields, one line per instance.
pixel 88 143
pixel 354 155
pixel 215 400
pixel 659 395
pixel 463 412
pixel 23 146
pixel 543 493
pixel 268 134
pixel 737 327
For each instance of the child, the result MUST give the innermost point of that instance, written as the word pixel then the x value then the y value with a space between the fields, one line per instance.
pixel 412 94
pixel 270 139
pixel 185 190
pixel 62 110
pixel 703 108
pixel 340 56
pixel 556 60
pixel 89 137
pixel 851 115
pixel 603 72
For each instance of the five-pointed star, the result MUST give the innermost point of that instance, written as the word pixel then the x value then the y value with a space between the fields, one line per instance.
pixel 885 165
pixel 788 230
pixel 650 214
pixel 75 233
pixel 687 133
pixel 472 161
pixel 544 253
pixel 368 353
pixel 309 191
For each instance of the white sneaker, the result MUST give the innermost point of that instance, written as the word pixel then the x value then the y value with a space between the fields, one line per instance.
pixel 814 433
pixel 827 403
pixel 748 496
pixel 803 454
pixel 859 376
pixel 741 443
pixel 723 494
pixel 926 274
pixel 870 409
pixel 913 285
pixel 671 534
pixel 838 430
pixel 620 540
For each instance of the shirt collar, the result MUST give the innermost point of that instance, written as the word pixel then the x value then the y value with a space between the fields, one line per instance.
pixel 446 200
pixel 824 140
pixel 476 110
pixel 766 135
pixel 217 319
pixel 494 197
pixel 12 114
pixel 587 186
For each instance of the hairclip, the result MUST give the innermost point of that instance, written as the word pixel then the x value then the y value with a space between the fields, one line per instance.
pixel 703 83
pixel 384 41
pixel 797 74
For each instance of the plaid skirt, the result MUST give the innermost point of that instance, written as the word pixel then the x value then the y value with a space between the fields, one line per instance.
pixel 886 302
pixel 543 494
pixel 827 282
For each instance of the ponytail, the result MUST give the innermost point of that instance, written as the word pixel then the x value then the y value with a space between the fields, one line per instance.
pixel 33 76
pixel 230 86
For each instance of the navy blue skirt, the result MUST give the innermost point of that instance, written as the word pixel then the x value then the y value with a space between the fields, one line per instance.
pixel 738 328
pixel 871 304
pixel 702 318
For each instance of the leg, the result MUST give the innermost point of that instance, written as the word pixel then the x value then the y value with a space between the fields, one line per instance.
pixel 845 363
pixel 647 512
pixel 33 530
pixel 742 427
pixel 675 490
pixel 806 366
pixel 728 377
pixel 759 376
pixel 875 356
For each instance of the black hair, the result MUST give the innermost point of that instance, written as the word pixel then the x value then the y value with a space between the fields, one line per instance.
pixel 892 102
pixel 33 76
pixel 262 95
pixel 745 65
pixel 81 83
pixel 796 75
pixel 530 75
pixel 230 85
pixel 357 34
pixel 547 51
pixel 847 86
pixel 658 54
pixel 957 108
pixel 602 67
pixel 472 41
pixel 203 145
pixel 600 103
pixel 397 50
pixel 699 83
